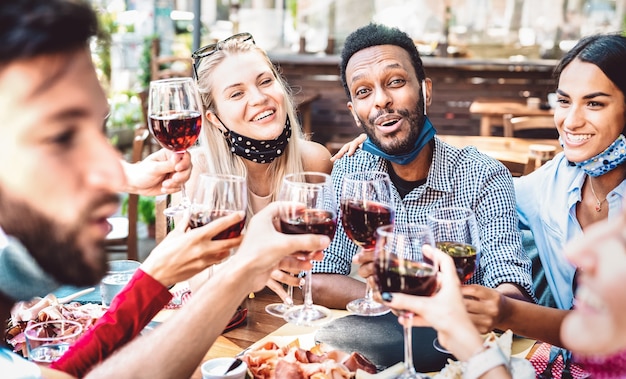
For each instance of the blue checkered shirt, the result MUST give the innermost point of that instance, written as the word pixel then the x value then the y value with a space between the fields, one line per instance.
pixel 459 178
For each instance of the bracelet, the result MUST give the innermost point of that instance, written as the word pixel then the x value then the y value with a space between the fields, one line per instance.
pixel 485 360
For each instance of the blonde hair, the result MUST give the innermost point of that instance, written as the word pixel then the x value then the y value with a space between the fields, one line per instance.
pixel 213 154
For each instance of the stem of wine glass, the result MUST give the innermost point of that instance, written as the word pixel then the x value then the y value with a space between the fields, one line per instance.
pixel 408 343
pixel 308 292
pixel 289 299
pixel 183 196
pixel 369 292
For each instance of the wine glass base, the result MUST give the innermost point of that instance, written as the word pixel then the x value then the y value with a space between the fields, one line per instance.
pixel 412 375
pixel 439 347
pixel 278 309
pixel 174 210
pixel 366 307
pixel 308 316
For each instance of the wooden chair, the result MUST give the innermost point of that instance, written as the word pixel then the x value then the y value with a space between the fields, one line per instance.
pixel 541 126
pixel 123 234
pixel 167 66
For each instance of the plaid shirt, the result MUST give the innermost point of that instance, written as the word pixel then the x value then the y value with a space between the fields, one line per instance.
pixel 460 178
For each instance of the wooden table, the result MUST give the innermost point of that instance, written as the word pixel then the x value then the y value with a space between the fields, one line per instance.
pixel 520 155
pixel 502 148
pixel 263 327
pixel 491 112
pixel 303 103
pixel 259 325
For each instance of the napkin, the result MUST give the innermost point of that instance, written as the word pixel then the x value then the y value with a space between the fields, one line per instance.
pixel 380 339
pixel 539 360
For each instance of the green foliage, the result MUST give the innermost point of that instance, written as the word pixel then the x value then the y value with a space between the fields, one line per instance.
pixel 145 209
pixel 102 50
pixel 144 62
pixel 125 111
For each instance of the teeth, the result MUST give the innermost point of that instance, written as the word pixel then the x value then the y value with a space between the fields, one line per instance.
pixel 263 115
pixel 587 297
pixel 578 137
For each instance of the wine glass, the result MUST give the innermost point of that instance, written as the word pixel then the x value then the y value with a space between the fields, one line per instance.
pixel 307 206
pixel 400 266
pixel 175 120
pixel 215 196
pixel 456 233
pixel 366 204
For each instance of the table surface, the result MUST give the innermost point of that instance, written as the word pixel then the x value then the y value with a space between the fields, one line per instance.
pixel 492 110
pixel 488 106
pixel 263 327
pixel 502 148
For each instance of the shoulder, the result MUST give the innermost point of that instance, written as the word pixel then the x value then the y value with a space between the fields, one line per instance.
pixel 315 157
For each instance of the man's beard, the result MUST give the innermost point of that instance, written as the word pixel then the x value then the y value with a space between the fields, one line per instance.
pixel 55 247
pixel 396 146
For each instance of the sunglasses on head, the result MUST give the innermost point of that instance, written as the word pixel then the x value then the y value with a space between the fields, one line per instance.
pixel 207 50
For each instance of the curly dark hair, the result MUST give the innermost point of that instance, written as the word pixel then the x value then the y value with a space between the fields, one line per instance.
pixel 376 35
pixel 29 28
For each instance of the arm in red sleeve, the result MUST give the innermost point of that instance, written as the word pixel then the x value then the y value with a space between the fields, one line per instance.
pixel 130 311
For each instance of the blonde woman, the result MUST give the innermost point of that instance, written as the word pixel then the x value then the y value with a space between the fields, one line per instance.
pixel 250 127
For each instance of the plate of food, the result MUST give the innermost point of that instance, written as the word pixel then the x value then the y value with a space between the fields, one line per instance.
pixel 271 361
pixel 47 308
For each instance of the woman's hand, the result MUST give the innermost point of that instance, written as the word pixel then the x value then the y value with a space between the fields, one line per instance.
pixel 444 311
pixel 265 249
pixel 350 147
pixel 161 172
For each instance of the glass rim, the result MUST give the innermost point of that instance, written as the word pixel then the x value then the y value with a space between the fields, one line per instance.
pixel 352 176
pixel 31 327
pixel 227 177
pixel 468 213
pixel 172 80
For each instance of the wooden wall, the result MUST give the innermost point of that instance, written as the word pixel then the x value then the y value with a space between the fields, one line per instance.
pixel 456 83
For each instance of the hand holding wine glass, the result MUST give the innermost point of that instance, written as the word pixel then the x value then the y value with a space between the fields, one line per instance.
pixel 366 205
pixel 175 119
pixel 456 233
pixel 400 266
pixel 308 206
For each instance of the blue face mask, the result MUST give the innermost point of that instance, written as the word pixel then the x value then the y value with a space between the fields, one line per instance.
pixel 613 156
pixel 426 134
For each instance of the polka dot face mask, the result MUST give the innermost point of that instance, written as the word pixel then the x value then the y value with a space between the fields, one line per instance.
pixel 255 150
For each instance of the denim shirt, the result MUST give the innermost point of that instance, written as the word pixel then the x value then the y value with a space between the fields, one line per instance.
pixel 546 204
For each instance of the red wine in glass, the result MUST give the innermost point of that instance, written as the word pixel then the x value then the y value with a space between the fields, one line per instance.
pixel 174 114
pixel 361 219
pixel 314 221
pixel 198 219
pixel 176 131
pixel 400 266
pixel 413 278
pixel 307 205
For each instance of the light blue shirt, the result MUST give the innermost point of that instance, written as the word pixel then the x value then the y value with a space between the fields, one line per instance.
pixel 13 366
pixel 546 204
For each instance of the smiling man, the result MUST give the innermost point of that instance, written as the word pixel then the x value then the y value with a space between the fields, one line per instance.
pixel 388 94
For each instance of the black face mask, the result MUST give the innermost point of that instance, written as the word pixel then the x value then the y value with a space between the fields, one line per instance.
pixel 255 150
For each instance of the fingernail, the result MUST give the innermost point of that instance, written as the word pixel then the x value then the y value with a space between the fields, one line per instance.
pixel 386 296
